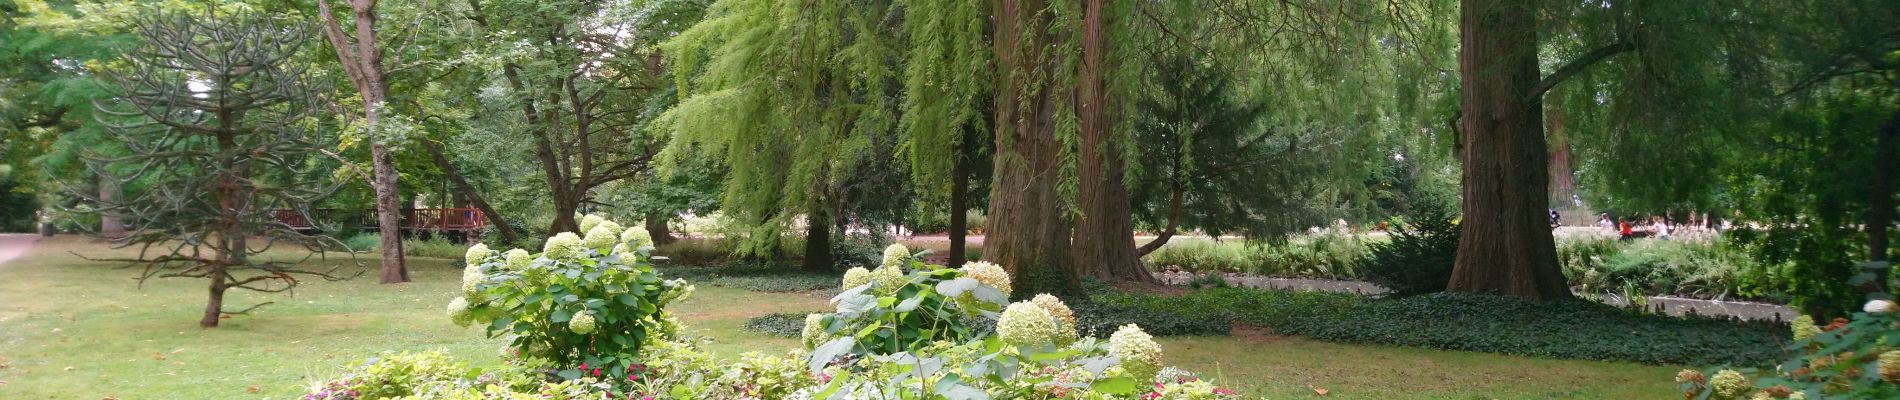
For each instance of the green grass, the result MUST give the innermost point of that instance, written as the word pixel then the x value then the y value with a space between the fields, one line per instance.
pixel 58 311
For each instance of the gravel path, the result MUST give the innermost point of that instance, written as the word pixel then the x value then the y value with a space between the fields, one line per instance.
pixel 14 245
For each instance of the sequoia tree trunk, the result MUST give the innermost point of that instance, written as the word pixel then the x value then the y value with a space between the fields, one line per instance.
pixel 1027 234
pixel 1563 186
pixel 1104 233
pixel 1506 246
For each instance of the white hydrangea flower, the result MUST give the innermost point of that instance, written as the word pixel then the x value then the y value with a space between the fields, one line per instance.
pixel 856 276
pixel 814 333
pixel 895 254
pixel 458 311
pixel 589 221
pixel 988 274
pixel 1730 384
pixel 1880 307
pixel 889 279
pixel 636 237
pixel 476 254
pixel 612 227
pixel 562 246
pixel 600 238
pixel 1139 353
pixel 1803 327
pixel 472 280
pixel 581 323
pixel 518 259
pixel 677 289
pixel 1065 318
pixel 1026 324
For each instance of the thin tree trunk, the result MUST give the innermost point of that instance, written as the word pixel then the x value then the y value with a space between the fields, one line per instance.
pixel 1028 235
pixel 1880 201
pixel 656 226
pixel 1506 246
pixel 1104 233
pixel 214 305
pixel 818 243
pixel 362 60
pixel 110 227
pixel 959 207
pixel 1174 220
pixel 463 188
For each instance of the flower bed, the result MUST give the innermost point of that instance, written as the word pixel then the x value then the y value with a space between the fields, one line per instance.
pixel 585 319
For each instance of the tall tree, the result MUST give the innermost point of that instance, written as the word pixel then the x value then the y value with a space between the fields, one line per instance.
pixel 1028 234
pixel 362 59
pixel 799 121
pixel 1506 245
pixel 574 75
pixel 215 110
pixel 1104 230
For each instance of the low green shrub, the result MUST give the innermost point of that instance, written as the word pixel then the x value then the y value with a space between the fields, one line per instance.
pixel 584 301
pixel 1491 324
pixel 436 247
pixel 363 242
pixel 758 277
pixel 1334 256
pixel 1033 350
pixel 1419 258
pixel 693 251
pixel 786 325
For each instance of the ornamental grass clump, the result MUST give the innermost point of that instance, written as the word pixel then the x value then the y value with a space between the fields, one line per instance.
pixel 582 301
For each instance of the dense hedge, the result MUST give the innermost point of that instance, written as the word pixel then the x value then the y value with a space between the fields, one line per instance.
pixel 1491 324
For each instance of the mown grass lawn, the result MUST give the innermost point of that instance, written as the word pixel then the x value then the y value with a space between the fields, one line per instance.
pixel 75 329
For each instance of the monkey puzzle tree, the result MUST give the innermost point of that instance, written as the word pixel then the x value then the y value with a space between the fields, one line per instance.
pixel 215 112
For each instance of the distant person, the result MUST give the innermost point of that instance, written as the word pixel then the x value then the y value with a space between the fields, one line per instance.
pixel 1659 227
pixel 1555 220
pixel 1623 229
pixel 1576 201
pixel 1604 221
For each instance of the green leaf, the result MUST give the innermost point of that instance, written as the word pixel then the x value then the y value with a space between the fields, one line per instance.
pixel 1114 385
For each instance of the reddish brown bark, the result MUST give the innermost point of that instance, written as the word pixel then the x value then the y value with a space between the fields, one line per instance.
pixel 1506 246
pixel 1563 186
pixel 1027 234
pixel 959 209
pixel 1104 232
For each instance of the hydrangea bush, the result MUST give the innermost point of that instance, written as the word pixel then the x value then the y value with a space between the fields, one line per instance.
pixel 1856 358
pixel 928 348
pixel 586 304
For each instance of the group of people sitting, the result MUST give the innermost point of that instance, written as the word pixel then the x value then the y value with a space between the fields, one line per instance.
pixel 1658 226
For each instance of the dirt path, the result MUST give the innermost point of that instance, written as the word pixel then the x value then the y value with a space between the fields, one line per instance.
pixel 14 245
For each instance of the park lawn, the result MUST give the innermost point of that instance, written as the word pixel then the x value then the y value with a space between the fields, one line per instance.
pixel 71 328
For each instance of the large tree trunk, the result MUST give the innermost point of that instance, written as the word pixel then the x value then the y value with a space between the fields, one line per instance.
pixel 656 225
pixel 959 207
pixel 1104 233
pixel 1028 235
pixel 818 243
pixel 110 227
pixel 1880 200
pixel 1506 246
pixel 467 191
pixel 1563 186
pixel 564 209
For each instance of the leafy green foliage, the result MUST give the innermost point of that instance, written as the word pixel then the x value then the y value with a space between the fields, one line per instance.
pixel 895 313
pixel 1419 258
pixel 1326 255
pixel 1845 359
pixel 1492 324
pixel 786 325
pixel 583 303
pixel 763 277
